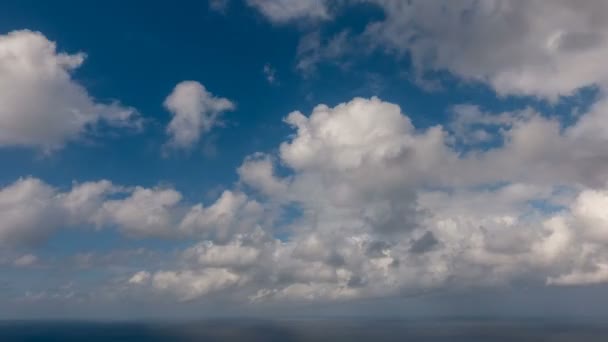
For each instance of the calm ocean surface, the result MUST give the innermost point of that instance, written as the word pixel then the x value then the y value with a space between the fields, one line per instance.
pixel 307 330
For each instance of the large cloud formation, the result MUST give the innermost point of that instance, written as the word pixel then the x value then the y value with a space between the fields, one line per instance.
pixel 41 105
pixel 359 202
pixel 367 206
pixel 386 209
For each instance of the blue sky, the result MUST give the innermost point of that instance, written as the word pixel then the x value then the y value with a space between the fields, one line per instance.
pixel 259 154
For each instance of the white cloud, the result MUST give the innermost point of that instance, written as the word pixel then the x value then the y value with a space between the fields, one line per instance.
pixel 367 226
pixel 258 172
pixel 590 209
pixel 387 208
pixel 283 11
pixel 195 112
pixel 233 254
pixel 231 213
pixel 600 275
pixel 41 106
pixel 25 260
pixel 30 212
pixel 84 200
pixel 188 285
pixel 503 43
pixel 314 49
pixel 139 277
pixel 270 73
pixel 365 205
pixel 146 212
pixel 537 48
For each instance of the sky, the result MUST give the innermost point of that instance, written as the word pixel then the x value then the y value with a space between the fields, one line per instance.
pixel 303 158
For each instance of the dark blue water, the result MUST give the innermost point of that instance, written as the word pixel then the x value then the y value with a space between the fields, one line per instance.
pixel 307 330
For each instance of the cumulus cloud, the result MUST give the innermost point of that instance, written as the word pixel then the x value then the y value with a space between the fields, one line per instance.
pixel 233 254
pixel 258 171
pixel 231 213
pixel 146 212
pixel 381 208
pixel 41 105
pixel 195 112
pixel 357 203
pixel 365 205
pixel 31 211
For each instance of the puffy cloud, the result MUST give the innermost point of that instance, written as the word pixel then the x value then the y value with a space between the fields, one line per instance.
pixel 360 171
pixel 41 105
pixel 360 203
pixel 30 212
pixel 258 172
pixel 348 165
pixel 378 213
pixel 234 254
pixel 84 200
pixel 146 212
pixel 195 112
pixel 355 135
pixel 590 211
pixel 231 213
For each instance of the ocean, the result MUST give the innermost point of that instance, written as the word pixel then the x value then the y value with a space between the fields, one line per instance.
pixel 455 330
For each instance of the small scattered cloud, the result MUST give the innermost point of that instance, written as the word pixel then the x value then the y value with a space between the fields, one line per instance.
pixel 270 73
pixel 25 260
pixel 195 111
pixel 220 6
